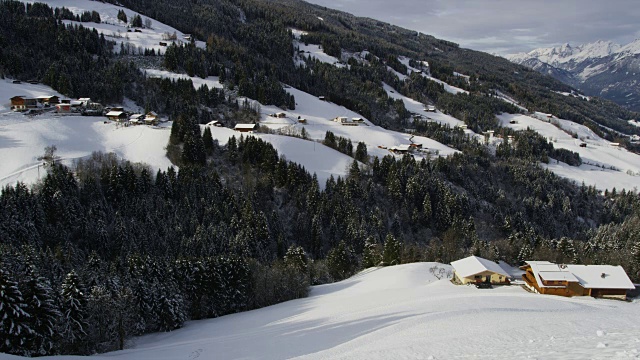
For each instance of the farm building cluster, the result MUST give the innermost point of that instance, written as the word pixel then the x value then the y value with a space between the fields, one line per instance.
pixel 544 277
pixel 82 106
pixel 44 103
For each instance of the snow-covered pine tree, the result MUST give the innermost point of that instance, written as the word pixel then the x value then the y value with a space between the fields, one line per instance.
pixel 370 255
pixel 391 255
pixel 14 320
pixel 41 305
pixel 73 323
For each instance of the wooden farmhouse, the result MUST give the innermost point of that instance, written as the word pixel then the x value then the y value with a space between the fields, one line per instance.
pixel 151 118
pixel 116 115
pixel 246 127
pixel 604 281
pixel 48 99
pixel 136 119
pixel 20 103
pixel 474 269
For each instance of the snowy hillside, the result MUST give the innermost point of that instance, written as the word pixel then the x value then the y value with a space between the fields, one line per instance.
pixel 605 165
pixel 118 31
pixel 448 88
pixel 405 312
pixel 23 138
pixel 319 115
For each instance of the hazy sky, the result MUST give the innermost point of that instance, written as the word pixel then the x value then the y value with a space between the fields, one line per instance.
pixel 506 26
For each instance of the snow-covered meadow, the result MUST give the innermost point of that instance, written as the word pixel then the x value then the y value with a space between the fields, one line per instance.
pixel 118 31
pixel 405 312
pixel 605 165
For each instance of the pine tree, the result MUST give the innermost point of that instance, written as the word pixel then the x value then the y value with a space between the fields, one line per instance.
pixel 73 322
pixel 122 16
pixel 371 255
pixel 296 258
pixel 207 140
pixel 391 255
pixel 361 152
pixel 44 312
pixel 14 320
pixel 341 261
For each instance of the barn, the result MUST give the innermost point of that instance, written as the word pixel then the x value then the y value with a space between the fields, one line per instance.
pixel 474 269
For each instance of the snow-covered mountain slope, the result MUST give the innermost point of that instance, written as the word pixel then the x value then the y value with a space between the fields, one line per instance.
pixel 23 138
pixel 118 31
pixel 405 312
pixel 319 115
pixel 448 88
pixel 601 68
pixel 605 165
pixel 312 51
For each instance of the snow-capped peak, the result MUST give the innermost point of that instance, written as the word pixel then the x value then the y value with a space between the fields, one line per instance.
pixel 567 53
pixel 631 48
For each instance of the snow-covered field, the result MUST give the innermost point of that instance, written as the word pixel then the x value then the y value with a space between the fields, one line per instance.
pixel 404 312
pixel 311 50
pixel 604 165
pixel 417 107
pixel 116 30
pixel 23 138
pixel 448 88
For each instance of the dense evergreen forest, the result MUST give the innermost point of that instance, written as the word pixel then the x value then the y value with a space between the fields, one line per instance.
pixel 95 254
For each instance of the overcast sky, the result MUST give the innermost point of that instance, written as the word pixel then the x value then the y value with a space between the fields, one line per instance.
pixel 506 26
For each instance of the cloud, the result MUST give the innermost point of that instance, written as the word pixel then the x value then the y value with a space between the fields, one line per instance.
pixel 505 26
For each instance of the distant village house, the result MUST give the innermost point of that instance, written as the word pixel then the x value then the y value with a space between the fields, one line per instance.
pixel 246 127
pixel 116 116
pixel 48 99
pixel 20 103
pixel 214 123
pixel 151 118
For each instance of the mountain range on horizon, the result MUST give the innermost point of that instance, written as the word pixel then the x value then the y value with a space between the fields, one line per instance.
pixel 601 68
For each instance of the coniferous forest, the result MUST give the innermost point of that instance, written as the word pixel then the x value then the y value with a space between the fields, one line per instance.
pixel 105 250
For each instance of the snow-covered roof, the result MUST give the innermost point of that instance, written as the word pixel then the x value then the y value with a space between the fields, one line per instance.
pixel 213 122
pixel 245 126
pixel 152 113
pixel 601 276
pixel 404 147
pixel 548 271
pixel 114 113
pixel 473 265
pixel 588 276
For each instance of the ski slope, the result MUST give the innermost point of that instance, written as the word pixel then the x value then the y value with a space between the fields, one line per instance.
pixel 116 30
pixel 605 165
pixel 404 312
